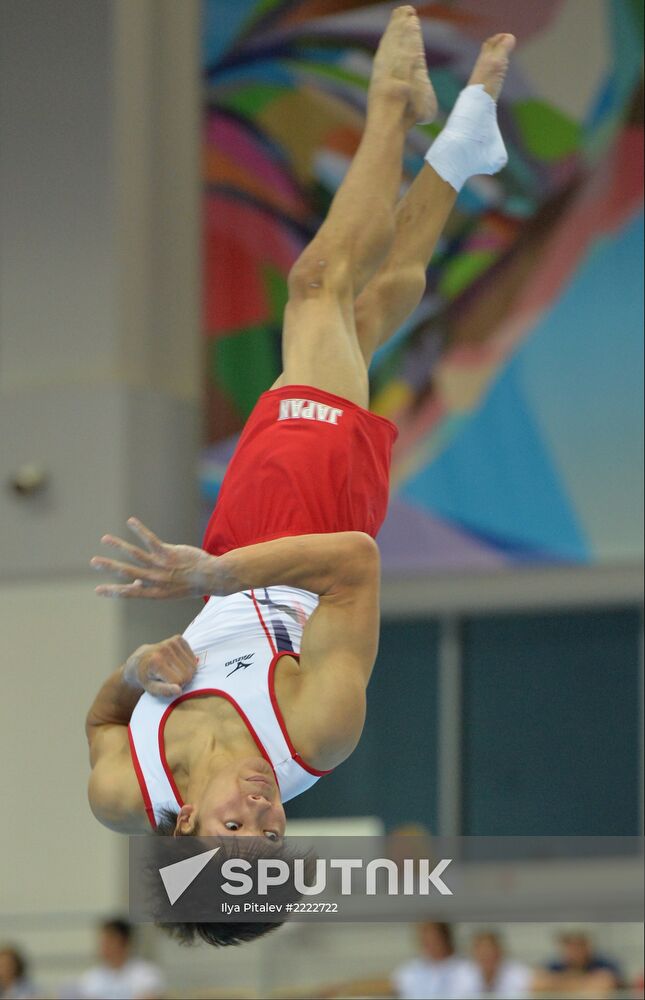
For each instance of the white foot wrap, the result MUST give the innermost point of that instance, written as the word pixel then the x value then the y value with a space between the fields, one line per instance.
pixel 471 142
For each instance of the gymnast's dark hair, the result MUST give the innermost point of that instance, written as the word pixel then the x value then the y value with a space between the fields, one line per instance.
pixel 222 933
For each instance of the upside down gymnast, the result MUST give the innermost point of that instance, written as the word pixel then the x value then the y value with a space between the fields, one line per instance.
pixel 211 732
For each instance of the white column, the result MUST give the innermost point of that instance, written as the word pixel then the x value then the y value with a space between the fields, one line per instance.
pixel 99 386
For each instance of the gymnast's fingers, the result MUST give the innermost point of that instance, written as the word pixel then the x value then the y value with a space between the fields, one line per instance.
pixel 184 655
pixel 145 535
pixel 181 673
pixel 186 667
pixel 166 674
pixel 162 690
pixel 125 570
pixel 136 589
pixel 131 551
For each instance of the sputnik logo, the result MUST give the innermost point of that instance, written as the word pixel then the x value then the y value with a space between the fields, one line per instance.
pixel 178 876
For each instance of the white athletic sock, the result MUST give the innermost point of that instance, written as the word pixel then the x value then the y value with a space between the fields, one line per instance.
pixel 471 142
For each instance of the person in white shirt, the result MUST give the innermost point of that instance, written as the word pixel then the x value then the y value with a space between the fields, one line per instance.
pixel 119 975
pixel 437 973
pixel 492 974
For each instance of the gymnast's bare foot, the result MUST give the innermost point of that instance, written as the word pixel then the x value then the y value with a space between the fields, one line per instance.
pixel 492 64
pixel 400 68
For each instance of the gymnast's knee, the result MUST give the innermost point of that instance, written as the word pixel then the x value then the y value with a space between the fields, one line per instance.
pixel 397 289
pixel 321 271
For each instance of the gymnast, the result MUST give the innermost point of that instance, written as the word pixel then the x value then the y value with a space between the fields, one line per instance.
pixel 209 733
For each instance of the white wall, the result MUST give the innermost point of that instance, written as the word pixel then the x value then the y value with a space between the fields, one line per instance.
pixel 99 384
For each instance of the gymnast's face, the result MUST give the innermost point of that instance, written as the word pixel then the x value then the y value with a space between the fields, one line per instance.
pixel 242 801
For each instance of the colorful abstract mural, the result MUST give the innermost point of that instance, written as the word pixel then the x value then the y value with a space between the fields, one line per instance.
pixel 517 383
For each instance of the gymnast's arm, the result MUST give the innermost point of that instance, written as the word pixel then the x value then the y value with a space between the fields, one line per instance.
pixel 161 668
pixel 312 562
pixel 327 698
pixel 111 792
pixel 337 654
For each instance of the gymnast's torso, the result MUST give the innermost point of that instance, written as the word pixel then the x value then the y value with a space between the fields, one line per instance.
pixel 247 646
pixel 308 463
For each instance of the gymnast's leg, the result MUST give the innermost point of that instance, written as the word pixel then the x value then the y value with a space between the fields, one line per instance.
pixel 398 286
pixel 320 346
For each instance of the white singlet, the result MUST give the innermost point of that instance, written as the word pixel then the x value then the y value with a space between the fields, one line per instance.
pixel 238 640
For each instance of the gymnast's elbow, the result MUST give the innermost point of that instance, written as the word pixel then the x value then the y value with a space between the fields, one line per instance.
pixel 104 800
pixel 359 559
pixel 113 803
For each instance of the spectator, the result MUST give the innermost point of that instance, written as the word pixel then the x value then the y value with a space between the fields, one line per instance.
pixel 119 975
pixel 579 969
pixel 492 974
pixel 14 978
pixel 436 974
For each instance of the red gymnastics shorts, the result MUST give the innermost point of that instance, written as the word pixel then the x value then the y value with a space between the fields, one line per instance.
pixel 307 462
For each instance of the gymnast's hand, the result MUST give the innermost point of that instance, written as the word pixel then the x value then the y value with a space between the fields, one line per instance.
pixel 162 668
pixel 157 570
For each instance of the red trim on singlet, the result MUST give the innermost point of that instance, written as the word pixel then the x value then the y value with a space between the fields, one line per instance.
pixel 142 783
pixel 197 694
pixel 278 714
pixel 263 623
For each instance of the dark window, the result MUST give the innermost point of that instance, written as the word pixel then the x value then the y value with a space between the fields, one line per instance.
pixel 392 773
pixel 551 724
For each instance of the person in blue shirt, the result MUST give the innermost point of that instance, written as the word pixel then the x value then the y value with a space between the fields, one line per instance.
pixel 580 967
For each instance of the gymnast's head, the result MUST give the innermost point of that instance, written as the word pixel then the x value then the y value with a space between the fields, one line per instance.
pixel 241 798
pixel 246 853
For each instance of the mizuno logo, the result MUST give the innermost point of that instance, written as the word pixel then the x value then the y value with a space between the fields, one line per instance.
pixel 239 663
pixel 307 409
